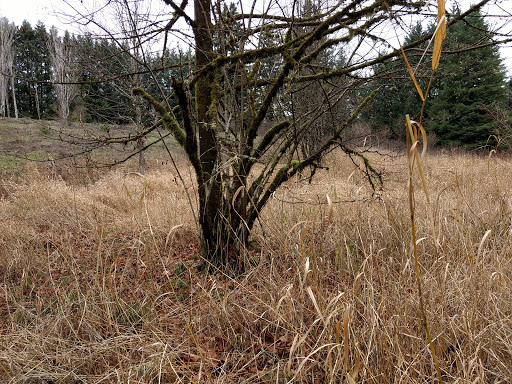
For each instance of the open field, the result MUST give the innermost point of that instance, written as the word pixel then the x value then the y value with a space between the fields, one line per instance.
pixel 98 280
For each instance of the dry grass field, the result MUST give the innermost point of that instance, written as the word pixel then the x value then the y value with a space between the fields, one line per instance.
pixel 98 281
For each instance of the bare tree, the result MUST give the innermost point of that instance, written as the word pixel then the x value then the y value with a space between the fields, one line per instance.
pixel 128 24
pixel 234 112
pixel 6 68
pixel 132 20
pixel 63 59
pixel 320 106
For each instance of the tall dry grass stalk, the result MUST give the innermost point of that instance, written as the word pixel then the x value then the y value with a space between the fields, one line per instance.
pixel 98 282
pixel 414 133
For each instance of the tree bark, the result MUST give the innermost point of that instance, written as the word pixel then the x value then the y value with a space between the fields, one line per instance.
pixel 36 100
pixel 6 64
pixel 215 242
pixel 16 114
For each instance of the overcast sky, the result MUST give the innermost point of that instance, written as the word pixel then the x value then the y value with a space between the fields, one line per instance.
pixel 47 11
pixel 31 10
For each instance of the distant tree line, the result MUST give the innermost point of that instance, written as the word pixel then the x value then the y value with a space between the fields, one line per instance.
pixel 81 78
pixel 90 79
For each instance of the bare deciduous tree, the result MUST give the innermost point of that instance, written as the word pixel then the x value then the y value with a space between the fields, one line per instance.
pixel 132 20
pixel 233 117
pixel 129 24
pixel 63 59
pixel 224 152
pixel 6 68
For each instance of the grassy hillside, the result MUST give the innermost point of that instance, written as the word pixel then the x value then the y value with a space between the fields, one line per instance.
pixel 98 281
pixel 26 143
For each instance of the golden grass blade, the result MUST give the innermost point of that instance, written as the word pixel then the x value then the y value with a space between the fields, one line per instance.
pixel 423 137
pixel 285 296
pixel 422 174
pixel 302 239
pixel 414 152
pixel 411 73
pixel 5 370
pixel 315 304
pixel 481 245
pixel 171 232
pixel 235 195
pixel 438 42
pixel 306 271
pixel 412 142
pixel 338 329
pixel 135 174
pixel 441 14
pixel 356 285
pixel 440 34
pixel 492 152
pixel 307 359
pixel 329 217
pixel 355 371
pixel 295 344
pixel 345 340
pixel 285 250
pixel 423 180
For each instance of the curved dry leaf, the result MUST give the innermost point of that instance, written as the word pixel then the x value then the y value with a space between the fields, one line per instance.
pixel 411 73
pixel 481 245
pixel 440 34
pixel 236 195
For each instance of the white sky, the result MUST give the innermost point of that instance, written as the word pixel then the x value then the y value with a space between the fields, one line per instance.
pixel 32 11
pixel 48 10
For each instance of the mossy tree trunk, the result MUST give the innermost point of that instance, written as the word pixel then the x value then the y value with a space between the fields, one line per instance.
pixel 209 181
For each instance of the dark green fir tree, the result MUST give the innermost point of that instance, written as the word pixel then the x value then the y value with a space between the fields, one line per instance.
pixel 470 85
pixel 35 94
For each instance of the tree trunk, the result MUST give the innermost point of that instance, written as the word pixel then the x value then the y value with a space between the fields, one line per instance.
pixel 36 95
pixel 16 115
pixel 3 99
pixel 138 123
pixel 8 106
pixel 224 234
pixel 142 156
pixel 204 52
pixel 217 244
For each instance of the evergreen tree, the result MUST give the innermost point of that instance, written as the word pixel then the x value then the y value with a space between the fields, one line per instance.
pixel 102 66
pixel 510 95
pixel 172 64
pixel 397 95
pixel 27 72
pixel 32 66
pixel 470 84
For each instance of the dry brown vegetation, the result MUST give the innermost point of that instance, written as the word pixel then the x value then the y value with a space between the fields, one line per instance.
pixel 99 281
